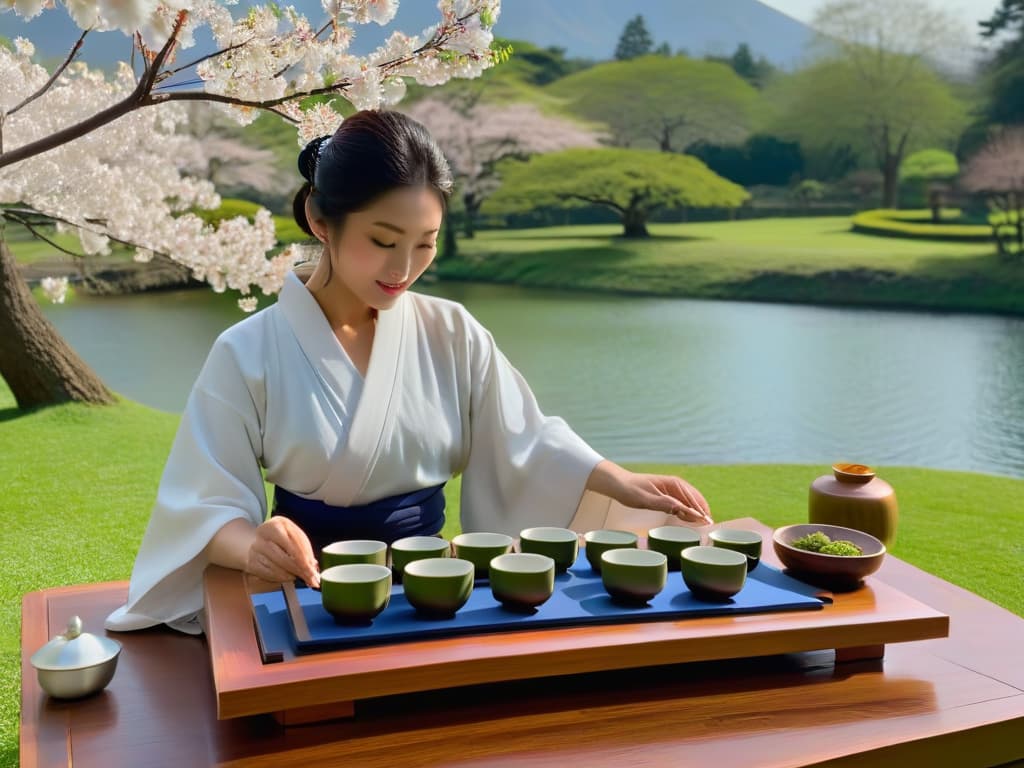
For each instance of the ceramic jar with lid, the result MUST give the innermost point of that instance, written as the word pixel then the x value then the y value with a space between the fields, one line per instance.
pixel 852 496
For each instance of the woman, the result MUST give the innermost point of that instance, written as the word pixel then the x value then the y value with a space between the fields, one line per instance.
pixel 359 400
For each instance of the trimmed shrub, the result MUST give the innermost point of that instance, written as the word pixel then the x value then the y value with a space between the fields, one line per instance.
pixel 917 224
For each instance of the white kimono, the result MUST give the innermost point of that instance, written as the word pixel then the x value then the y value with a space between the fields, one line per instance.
pixel 279 391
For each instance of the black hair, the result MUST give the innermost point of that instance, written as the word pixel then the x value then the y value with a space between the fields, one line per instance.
pixel 371 153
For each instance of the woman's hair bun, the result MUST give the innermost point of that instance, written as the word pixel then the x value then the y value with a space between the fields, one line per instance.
pixel 309 155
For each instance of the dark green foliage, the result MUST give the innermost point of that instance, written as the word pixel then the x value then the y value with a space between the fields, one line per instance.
pixel 635 40
pixel 756 72
pixel 1004 72
pixel 761 159
pixel 535 65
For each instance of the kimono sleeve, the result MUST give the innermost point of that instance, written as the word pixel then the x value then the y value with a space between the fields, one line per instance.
pixel 212 476
pixel 524 468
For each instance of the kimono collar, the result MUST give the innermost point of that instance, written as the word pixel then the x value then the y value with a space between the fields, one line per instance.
pixel 375 412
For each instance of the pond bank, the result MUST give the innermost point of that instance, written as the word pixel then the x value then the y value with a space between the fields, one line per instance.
pixel 806 261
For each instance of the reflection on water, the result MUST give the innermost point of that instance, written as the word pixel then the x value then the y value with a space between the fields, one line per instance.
pixel 672 380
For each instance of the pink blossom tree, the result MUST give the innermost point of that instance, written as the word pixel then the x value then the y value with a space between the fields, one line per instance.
pixel 475 136
pixel 106 159
pixel 997 171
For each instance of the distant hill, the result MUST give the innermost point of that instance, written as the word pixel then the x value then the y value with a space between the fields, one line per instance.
pixel 585 28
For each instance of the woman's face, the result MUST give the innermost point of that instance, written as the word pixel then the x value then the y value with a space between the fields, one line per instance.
pixel 380 251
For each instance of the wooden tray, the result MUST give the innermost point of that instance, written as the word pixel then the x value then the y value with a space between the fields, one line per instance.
pixel 325 685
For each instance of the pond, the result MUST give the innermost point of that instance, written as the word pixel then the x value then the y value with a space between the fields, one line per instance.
pixel 671 380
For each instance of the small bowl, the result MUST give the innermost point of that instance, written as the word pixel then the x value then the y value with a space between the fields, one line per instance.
pixel 600 541
pixel 412 548
pixel 853 473
pixel 633 576
pixel 560 544
pixel 836 572
pixel 355 593
pixel 670 540
pixel 747 542
pixel 713 574
pixel 481 548
pixel 522 581
pixel 354 551
pixel 437 587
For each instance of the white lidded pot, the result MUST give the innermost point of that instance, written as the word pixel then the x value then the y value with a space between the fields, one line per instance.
pixel 76 663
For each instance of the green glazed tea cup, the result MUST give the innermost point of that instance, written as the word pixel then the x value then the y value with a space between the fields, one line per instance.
pixel 560 544
pixel 713 574
pixel 633 576
pixel 747 542
pixel 522 581
pixel 600 541
pixel 354 551
pixel 671 540
pixel 411 548
pixel 481 548
pixel 355 593
pixel 438 586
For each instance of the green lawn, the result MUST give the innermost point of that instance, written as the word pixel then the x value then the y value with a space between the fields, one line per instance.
pixel 79 482
pixel 813 260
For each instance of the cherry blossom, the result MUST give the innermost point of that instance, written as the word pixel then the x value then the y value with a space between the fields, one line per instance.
pixel 126 178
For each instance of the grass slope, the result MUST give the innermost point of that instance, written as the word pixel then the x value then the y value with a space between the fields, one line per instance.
pixel 79 482
pixel 810 260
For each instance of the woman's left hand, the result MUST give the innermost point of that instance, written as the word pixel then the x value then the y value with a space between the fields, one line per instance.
pixel 663 493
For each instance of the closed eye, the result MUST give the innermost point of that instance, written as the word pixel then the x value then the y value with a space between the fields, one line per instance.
pixel 380 244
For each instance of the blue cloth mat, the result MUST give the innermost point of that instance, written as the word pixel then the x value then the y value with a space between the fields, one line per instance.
pixel 579 598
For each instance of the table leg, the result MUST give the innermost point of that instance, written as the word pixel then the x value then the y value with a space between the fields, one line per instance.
pixel 859 653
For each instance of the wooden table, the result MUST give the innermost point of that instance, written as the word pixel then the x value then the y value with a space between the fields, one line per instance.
pixel 956 701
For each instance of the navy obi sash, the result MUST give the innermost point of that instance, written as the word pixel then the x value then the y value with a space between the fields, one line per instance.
pixel 420 513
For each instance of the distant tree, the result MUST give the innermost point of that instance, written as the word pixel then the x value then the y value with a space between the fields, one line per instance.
pixel 474 137
pixel 756 72
pixel 807 190
pixel 934 170
pixel 224 158
pixel 533 64
pixel 635 40
pixel 667 103
pixel 1004 72
pixel 997 171
pixel 881 98
pixel 742 62
pixel 663 50
pixel 633 183
pixel 877 89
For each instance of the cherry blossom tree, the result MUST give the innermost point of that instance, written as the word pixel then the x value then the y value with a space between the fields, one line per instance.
pixel 107 159
pixel 475 136
pixel 997 171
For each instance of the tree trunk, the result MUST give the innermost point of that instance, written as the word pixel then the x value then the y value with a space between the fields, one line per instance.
pixel 472 204
pixel 890 181
pixel 450 247
pixel 35 361
pixel 935 203
pixel 634 223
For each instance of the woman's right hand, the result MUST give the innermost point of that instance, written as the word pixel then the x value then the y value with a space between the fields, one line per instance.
pixel 281 551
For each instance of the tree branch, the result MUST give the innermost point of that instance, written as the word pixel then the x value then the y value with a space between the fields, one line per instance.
pixel 143 95
pixel 171 72
pixel 591 199
pixel 45 239
pixel 53 77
